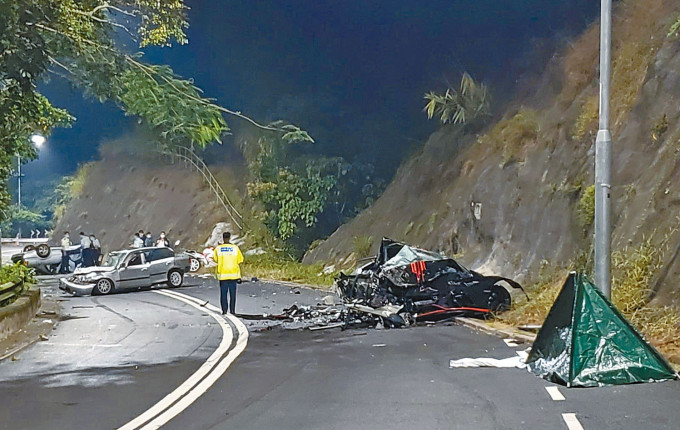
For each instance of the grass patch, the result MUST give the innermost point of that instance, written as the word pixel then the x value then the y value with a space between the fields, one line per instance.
pixel 512 135
pixel 284 268
pixel 361 246
pixel 587 118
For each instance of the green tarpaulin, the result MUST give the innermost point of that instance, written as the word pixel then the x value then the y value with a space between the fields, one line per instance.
pixel 586 342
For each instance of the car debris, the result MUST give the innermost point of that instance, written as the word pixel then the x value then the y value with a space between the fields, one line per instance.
pixel 402 286
pixel 424 285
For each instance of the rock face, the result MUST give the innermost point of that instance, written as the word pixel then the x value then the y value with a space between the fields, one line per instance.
pixel 123 194
pixel 513 198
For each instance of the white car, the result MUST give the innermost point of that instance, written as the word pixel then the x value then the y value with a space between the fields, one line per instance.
pixel 129 269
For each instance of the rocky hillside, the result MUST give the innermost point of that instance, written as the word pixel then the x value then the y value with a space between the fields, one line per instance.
pixel 129 190
pixel 515 198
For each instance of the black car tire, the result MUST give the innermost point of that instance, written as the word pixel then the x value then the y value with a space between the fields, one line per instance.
pixel 175 278
pixel 103 286
pixel 29 248
pixel 194 264
pixel 499 299
pixel 43 250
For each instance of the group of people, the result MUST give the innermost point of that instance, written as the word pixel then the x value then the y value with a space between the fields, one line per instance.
pixel 90 250
pixel 143 240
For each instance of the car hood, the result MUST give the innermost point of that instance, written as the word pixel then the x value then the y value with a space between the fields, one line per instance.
pixel 93 269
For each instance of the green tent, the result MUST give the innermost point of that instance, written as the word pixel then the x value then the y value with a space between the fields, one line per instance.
pixel 586 342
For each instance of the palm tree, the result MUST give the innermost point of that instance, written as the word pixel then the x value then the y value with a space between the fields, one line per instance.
pixel 470 102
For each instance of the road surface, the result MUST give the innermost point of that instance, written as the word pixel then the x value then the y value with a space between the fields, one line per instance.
pixel 112 358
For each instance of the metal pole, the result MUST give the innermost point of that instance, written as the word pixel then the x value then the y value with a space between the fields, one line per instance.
pixel 603 146
pixel 19 180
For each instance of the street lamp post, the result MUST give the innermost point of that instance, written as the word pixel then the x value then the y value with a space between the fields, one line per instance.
pixel 37 140
pixel 603 147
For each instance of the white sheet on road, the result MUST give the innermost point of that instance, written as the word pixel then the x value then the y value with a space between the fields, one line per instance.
pixel 517 361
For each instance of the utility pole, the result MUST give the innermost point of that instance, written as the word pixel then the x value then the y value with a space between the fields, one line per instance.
pixel 19 181
pixel 603 160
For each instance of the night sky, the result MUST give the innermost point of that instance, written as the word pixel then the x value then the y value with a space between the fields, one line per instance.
pixel 352 73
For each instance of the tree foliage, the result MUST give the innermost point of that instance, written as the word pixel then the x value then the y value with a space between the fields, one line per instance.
pixel 304 195
pixel 83 41
pixel 469 103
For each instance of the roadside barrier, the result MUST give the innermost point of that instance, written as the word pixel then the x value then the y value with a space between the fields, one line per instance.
pixel 10 291
pixel 193 161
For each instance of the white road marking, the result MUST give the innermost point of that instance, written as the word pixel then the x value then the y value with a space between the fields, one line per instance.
pixel 203 386
pixel 206 375
pixel 555 393
pixel 572 422
pixel 510 342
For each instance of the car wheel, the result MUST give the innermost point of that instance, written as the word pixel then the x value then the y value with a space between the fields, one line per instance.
pixel 175 278
pixel 103 286
pixel 194 265
pixel 499 299
pixel 43 250
pixel 29 248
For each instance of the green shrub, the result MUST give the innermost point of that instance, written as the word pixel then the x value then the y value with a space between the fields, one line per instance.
pixel 585 209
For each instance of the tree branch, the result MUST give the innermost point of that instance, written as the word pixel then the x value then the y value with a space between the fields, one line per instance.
pixel 145 68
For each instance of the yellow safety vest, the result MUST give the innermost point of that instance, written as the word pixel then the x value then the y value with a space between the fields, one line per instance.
pixel 228 257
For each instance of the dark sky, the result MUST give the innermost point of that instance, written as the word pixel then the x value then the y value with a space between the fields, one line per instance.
pixel 352 73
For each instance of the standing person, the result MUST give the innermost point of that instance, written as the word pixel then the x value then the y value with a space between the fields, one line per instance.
pixel 86 252
pixel 96 248
pixel 162 240
pixel 137 241
pixel 65 243
pixel 228 257
pixel 148 240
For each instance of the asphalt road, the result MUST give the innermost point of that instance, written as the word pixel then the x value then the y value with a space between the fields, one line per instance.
pixel 111 358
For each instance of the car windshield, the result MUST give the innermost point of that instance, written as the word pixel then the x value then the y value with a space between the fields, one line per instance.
pixel 113 259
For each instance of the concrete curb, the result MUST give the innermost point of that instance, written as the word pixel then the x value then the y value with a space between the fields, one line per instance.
pixel 500 332
pixel 15 316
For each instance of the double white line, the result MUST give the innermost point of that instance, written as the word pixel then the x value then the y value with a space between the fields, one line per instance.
pixel 206 375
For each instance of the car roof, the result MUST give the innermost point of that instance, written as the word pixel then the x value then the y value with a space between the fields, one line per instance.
pixel 148 248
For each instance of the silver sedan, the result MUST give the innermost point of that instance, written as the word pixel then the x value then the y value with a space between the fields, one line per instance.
pixel 129 269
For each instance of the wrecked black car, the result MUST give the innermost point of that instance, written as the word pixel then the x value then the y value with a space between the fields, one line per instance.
pixel 423 285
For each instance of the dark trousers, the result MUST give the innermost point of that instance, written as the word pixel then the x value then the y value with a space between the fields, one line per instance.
pixel 228 285
pixel 64 263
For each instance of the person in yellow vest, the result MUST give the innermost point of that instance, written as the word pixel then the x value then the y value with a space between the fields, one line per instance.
pixel 228 257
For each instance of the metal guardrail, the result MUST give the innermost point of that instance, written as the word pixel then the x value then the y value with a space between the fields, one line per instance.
pixel 10 290
pixel 193 161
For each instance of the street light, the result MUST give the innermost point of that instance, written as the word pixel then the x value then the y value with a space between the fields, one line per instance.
pixel 38 139
pixel 603 160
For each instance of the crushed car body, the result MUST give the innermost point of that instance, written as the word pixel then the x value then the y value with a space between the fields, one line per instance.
pixel 422 285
